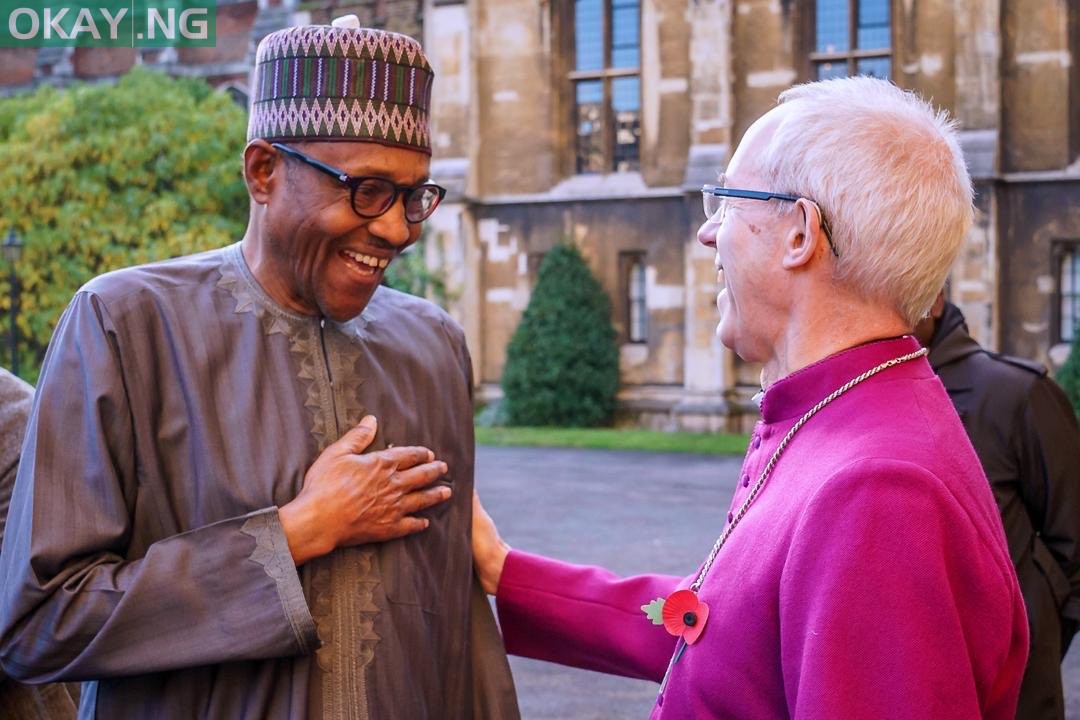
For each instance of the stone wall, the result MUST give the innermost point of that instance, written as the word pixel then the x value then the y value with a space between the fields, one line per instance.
pixel 925 49
pixel 665 84
pixel 766 34
pixel 514 144
pixel 1035 65
pixel 513 237
pixel 1033 215
pixel 448 45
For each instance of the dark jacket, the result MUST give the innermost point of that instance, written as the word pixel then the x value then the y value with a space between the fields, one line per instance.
pixel 1025 433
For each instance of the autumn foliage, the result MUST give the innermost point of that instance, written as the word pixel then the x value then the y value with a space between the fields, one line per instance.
pixel 102 176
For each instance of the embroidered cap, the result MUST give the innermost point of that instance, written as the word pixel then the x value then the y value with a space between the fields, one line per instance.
pixel 341 82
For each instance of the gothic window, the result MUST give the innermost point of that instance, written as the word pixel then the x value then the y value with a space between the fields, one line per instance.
pixel 851 37
pixel 606 85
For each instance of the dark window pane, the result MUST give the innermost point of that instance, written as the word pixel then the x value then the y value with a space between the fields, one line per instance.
pixel 625 35
pixel 827 70
pixel 873 30
pixel 589 34
pixel 626 107
pixel 590 126
pixel 831 26
pixel 875 67
pixel 638 330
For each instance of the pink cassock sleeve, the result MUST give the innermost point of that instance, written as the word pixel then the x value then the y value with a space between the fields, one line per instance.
pixel 582 616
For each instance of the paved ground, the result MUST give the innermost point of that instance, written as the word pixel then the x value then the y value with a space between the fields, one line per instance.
pixel 631 512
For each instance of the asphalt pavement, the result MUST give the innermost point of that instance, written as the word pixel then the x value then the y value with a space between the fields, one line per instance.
pixel 630 512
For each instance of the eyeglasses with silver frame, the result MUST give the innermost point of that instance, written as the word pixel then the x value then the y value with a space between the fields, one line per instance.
pixel 713 200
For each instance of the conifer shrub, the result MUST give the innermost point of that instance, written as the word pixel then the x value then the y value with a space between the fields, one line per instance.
pixel 1069 374
pixel 97 177
pixel 562 366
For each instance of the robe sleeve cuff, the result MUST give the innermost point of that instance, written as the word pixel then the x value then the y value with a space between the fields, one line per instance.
pixel 272 552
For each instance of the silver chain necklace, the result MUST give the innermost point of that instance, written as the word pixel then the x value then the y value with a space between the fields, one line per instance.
pixel 754 491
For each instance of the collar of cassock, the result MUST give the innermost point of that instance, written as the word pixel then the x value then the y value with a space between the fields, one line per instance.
pixel 795 394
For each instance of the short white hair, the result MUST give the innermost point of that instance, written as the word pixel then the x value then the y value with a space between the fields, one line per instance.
pixel 887 171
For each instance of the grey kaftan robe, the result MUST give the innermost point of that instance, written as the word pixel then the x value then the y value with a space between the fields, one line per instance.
pixel 177 409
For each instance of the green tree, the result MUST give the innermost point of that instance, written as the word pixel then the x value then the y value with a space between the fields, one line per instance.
pixel 98 177
pixel 562 366
pixel 1069 374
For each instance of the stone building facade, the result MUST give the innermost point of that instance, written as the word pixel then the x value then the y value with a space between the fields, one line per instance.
pixel 597 121
pixel 514 135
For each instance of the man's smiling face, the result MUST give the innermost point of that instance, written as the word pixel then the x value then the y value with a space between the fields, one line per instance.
pixel 746 235
pixel 325 259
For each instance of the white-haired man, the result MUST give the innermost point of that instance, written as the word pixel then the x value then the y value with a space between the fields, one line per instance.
pixel 862 570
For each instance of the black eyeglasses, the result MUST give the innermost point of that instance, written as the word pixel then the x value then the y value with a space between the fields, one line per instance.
pixel 712 197
pixel 372 196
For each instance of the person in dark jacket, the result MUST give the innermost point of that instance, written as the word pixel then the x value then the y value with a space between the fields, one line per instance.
pixel 1025 433
pixel 18 701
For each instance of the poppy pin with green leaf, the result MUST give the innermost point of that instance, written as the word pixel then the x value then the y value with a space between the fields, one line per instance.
pixel 682 614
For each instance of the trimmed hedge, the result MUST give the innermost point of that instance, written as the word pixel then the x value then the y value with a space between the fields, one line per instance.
pixel 562 364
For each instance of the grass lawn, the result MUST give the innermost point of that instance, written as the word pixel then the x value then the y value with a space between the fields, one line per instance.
pixel 613 439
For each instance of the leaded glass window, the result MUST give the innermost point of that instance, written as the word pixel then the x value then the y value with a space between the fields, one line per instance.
pixel 606 84
pixel 851 37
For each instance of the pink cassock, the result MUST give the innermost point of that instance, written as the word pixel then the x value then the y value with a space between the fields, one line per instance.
pixel 869 579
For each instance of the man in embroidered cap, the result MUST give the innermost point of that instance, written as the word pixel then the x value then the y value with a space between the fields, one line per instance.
pixel 209 521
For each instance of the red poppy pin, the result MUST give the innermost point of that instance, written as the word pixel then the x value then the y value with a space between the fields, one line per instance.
pixel 682 614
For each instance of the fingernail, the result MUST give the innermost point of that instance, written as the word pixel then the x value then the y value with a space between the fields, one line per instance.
pixel 446 492
pixel 430 456
pixel 444 468
pixel 368 422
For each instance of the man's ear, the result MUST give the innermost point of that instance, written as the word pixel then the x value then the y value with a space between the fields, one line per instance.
pixel 804 237
pixel 263 166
